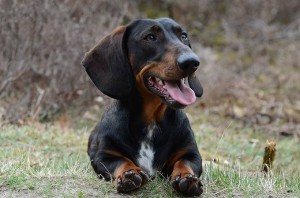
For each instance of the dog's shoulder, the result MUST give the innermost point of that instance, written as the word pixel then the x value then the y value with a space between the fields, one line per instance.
pixel 116 112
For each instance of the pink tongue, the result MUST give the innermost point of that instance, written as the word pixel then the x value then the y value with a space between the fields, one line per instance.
pixel 180 92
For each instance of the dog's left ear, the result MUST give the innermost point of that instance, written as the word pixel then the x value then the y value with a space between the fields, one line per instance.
pixel 108 67
pixel 195 85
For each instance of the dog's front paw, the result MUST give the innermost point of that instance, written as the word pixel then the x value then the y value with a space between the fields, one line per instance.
pixel 189 185
pixel 131 180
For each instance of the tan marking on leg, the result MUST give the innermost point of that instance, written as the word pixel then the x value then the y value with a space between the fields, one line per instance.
pixel 181 169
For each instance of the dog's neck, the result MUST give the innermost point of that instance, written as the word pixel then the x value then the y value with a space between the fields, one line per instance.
pixel 148 107
pixel 153 108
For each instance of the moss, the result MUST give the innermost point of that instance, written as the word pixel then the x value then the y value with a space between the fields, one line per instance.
pixel 232 56
pixel 213 26
pixel 154 9
pixel 247 59
pixel 219 40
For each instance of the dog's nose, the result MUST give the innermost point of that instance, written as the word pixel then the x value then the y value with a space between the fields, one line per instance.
pixel 188 62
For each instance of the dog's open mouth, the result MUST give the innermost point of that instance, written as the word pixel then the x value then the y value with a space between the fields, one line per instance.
pixel 171 91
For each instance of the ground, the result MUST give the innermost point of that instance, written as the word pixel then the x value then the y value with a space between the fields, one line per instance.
pixel 50 160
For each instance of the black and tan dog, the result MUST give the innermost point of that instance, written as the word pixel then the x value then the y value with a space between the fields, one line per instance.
pixel 146 66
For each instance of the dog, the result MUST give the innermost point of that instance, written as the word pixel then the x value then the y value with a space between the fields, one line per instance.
pixel 146 66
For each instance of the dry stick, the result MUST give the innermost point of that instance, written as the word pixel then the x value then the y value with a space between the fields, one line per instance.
pixel 10 79
pixel 269 156
pixel 37 107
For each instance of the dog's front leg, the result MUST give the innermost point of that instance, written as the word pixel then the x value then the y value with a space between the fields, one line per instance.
pixel 129 176
pixel 185 180
pixel 111 164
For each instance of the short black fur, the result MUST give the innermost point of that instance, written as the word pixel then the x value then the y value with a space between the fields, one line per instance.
pixel 112 66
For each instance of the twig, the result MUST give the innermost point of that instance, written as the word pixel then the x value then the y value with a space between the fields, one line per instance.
pixel 10 79
pixel 269 156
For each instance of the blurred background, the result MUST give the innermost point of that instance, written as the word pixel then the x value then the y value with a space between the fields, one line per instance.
pixel 249 53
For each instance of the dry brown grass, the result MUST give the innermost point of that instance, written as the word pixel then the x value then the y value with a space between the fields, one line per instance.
pixel 249 52
pixel 42 45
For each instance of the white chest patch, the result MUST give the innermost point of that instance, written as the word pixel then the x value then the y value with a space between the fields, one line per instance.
pixel 146 152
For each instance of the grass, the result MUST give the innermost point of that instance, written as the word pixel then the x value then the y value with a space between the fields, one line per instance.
pixel 50 161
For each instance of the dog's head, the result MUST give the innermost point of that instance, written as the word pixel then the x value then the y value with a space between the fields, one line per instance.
pixel 151 56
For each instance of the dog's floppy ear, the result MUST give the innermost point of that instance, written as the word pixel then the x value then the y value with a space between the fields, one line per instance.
pixel 195 85
pixel 108 67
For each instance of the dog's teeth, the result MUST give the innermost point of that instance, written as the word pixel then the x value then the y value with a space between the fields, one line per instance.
pixel 160 82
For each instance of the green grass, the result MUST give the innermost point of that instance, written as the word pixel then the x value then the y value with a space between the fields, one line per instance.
pixel 49 161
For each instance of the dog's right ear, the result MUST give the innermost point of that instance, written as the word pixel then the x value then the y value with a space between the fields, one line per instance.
pixel 108 67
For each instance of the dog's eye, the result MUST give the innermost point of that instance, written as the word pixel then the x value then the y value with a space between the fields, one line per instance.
pixel 150 37
pixel 184 36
